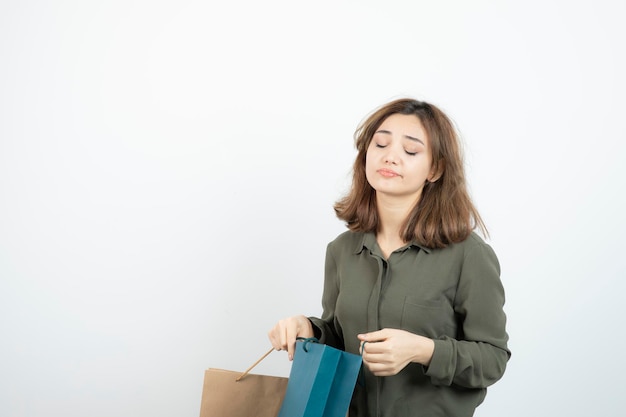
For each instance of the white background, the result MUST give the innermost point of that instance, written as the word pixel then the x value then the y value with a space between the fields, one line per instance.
pixel 168 169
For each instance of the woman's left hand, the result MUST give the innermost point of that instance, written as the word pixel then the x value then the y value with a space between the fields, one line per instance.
pixel 388 351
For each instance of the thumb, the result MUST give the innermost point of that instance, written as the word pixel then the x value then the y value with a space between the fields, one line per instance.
pixel 376 336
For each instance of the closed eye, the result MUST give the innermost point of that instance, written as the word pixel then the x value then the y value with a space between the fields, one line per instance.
pixel 378 145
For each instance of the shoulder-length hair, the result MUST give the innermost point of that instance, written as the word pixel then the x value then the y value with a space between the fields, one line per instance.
pixel 444 213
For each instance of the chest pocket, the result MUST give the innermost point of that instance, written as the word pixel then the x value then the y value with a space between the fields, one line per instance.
pixel 430 318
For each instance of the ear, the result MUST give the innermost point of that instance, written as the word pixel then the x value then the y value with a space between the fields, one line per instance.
pixel 437 171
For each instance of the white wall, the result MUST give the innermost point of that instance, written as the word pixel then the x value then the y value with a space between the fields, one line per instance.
pixel 168 169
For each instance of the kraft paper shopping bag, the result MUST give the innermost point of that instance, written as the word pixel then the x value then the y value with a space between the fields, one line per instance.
pixel 228 394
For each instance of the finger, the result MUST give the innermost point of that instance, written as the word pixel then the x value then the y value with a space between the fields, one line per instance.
pixel 276 337
pixel 291 334
pixel 375 367
pixel 376 336
pixel 362 348
pixel 380 369
pixel 374 347
pixel 281 334
pixel 375 357
pixel 273 339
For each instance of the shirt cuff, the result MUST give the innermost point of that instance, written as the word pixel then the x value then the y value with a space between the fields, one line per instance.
pixel 439 368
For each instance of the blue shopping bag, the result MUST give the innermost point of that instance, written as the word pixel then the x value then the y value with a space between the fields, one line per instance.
pixel 321 381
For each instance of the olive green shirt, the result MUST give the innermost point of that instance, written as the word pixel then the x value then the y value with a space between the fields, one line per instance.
pixel 453 296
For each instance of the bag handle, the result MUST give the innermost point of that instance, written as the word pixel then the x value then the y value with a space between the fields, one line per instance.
pixel 306 341
pixel 247 371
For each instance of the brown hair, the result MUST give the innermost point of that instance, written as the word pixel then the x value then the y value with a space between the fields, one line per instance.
pixel 444 213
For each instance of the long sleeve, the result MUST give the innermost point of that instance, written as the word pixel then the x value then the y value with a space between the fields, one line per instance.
pixel 478 358
pixel 326 328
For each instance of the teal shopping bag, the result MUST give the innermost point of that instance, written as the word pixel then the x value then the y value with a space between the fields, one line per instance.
pixel 321 381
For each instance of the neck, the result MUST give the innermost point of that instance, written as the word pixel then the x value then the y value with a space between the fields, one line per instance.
pixel 392 213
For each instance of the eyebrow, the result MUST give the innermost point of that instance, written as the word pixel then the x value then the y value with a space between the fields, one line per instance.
pixel 406 136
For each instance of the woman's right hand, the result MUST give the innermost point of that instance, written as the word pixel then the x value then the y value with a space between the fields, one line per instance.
pixel 283 335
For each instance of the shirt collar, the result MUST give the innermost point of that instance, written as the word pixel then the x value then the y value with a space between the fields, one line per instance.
pixel 368 241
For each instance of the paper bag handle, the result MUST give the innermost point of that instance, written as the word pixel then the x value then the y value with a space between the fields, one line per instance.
pixel 304 339
pixel 253 365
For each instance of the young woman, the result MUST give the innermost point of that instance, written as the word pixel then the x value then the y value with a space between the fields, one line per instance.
pixel 410 281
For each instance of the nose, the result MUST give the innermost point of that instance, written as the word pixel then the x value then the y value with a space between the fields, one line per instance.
pixel 390 157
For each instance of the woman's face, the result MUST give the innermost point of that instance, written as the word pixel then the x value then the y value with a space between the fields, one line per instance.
pixel 398 160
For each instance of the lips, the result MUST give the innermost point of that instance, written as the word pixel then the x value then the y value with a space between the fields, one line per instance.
pixel 388 173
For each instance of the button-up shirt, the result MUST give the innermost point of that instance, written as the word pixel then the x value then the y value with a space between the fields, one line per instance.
pixel 452 295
